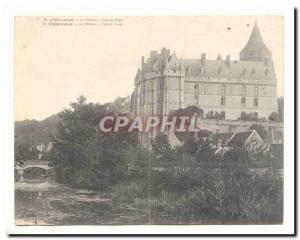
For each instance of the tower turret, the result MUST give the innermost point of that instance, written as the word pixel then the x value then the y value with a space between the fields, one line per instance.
pixel 255 49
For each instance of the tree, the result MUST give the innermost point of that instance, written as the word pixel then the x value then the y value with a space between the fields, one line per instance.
pixel 281 108
pixel 274 117
pixel 205 152
pixel 82 155
pixel 24 152
pixel 161 144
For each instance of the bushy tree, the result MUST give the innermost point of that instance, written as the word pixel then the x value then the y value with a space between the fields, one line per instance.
pixel 82 155
pixel 274 117
pixel 205 152
pixel 24 152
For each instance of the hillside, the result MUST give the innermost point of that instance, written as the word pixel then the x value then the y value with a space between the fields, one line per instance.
pixel 37 132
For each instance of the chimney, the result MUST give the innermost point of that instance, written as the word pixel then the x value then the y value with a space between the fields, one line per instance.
pixel 165 53
pixel 143 62
pixel 203 59
pixel 228 60
pixel 153 54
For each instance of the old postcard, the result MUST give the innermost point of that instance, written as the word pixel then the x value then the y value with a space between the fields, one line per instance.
pixel 149 120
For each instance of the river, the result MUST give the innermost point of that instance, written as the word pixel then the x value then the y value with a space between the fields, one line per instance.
pixel 49 203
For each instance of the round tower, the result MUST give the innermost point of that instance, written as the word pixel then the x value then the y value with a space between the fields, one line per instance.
pixel 255 49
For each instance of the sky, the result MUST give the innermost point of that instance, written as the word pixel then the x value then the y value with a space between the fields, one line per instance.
pixel 56 64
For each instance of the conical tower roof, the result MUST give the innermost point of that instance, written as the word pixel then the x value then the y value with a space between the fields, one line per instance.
pixel 255 49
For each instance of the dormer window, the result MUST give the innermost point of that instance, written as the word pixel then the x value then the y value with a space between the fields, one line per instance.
pixel 267 72
pixel 220 70
pixel 202 70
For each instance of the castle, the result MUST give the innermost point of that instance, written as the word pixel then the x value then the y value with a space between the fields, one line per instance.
pixel 228 87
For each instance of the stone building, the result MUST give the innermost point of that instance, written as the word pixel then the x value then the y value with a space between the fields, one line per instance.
pixel 230 87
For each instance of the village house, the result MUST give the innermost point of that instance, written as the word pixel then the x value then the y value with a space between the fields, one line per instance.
pixel 249 140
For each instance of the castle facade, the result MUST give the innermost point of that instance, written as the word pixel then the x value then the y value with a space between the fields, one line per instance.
pixel 225 86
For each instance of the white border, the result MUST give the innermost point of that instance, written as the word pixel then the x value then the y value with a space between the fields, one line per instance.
pixel 138 7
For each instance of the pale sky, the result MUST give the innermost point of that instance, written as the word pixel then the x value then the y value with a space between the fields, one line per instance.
pixel 56 64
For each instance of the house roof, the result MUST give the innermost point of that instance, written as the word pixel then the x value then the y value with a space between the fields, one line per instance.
pixel 239 139
pixel 224 137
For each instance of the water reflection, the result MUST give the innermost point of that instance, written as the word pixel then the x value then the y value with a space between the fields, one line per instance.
pixel 49 203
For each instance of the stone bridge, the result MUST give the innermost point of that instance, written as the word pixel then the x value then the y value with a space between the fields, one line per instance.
pixel 33 169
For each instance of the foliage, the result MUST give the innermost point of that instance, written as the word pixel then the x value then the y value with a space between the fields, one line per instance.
pixel 85 157
pixel 281 108
pixel 24 152
pixel 274 117
pixel 186 185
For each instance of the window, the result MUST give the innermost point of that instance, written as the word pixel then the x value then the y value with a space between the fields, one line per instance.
pixel 222 101
pixel 196 87
pixel 222 115
pixel 220 72
pixel 243 101
pixel 243 90
pixel 256 91
pixel 243 115
pixel 202 70
pixel 255 102
pixel 232 90
pixel 223 89
pixel 196 99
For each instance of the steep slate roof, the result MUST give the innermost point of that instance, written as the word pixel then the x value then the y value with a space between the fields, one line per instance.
pixel 230 69
pixel 239 139
pixel 255 48
pixel 255 62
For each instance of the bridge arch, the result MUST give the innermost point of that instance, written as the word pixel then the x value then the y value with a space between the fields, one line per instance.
pixel 33 172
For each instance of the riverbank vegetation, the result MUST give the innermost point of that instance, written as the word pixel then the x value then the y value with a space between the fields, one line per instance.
pixel 184 185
